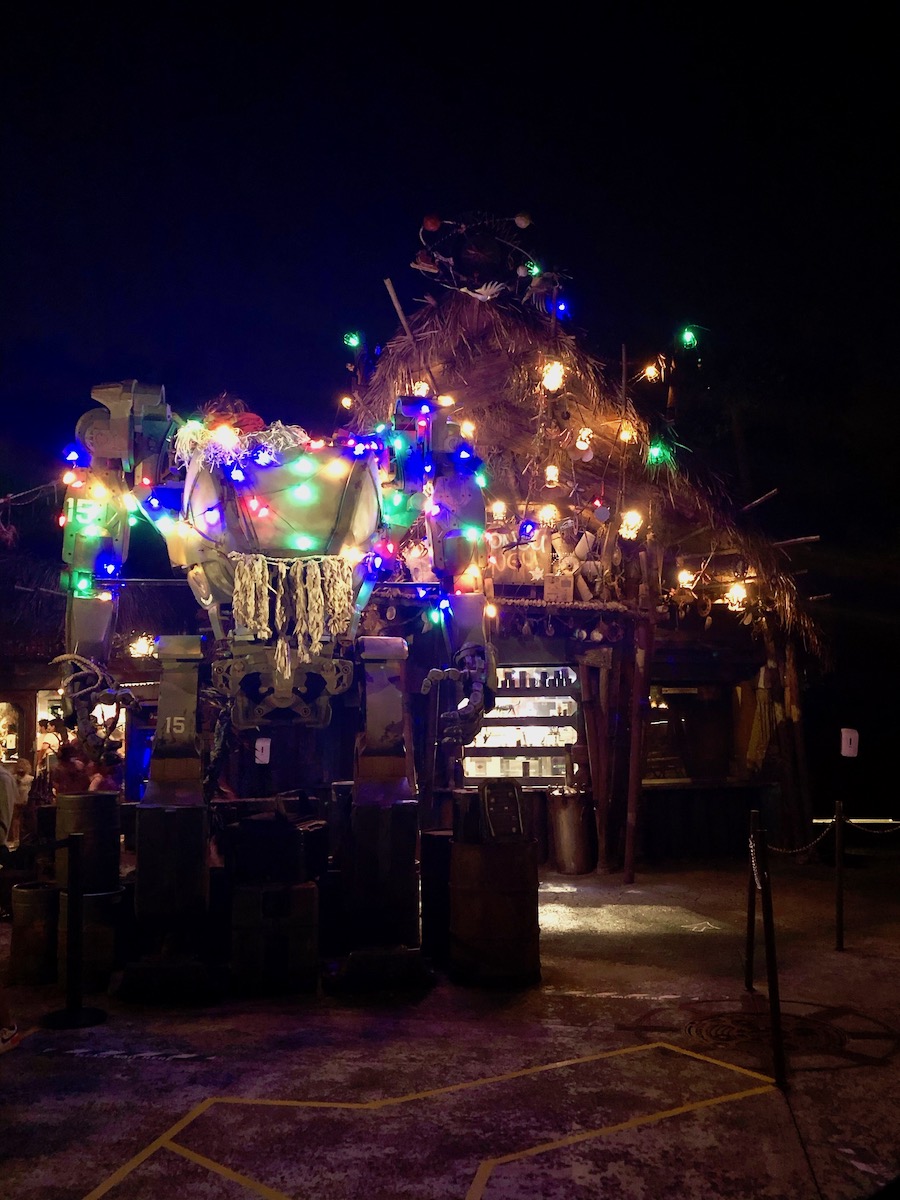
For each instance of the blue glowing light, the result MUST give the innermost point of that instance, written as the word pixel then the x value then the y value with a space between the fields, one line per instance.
pixel 237 475
pixel 526 530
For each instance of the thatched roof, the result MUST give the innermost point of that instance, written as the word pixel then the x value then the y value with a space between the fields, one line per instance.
pixel 489 355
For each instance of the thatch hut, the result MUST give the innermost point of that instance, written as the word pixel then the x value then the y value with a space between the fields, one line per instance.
pixel 622 574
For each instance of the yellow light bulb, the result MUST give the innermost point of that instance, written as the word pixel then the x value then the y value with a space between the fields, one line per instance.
pixel 225 436
pixel 498 510
pixel 552 376
pixel 631 523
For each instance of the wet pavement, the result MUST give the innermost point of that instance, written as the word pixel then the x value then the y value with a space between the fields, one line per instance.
pixel 639 1066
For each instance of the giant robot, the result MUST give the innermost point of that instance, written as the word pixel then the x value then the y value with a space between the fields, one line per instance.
pixel 282 539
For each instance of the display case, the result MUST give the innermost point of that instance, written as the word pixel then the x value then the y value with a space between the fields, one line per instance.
pixel 531 728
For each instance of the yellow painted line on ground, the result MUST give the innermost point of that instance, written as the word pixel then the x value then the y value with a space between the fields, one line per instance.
pixel 165 1139
pixel 226 1172
pixel 485 1169
pixel 144 1154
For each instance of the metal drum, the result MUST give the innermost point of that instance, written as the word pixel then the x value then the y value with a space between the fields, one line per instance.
pixel 494 928
pixel 96 815
pixel 32 951
pixel 100 939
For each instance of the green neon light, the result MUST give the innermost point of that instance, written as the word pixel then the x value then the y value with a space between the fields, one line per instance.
pixel 472 533
pixel 302 541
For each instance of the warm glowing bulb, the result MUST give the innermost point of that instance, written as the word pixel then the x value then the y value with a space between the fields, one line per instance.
pixel 337 468
pixel 583 441
pixel 652 372
pixel 352 554
pixel 626 433
pixel 467 429
pixel 421 388
pixel 736 597
pixel 551 475
pixel 473 571
pixel 490 611
pixel 631 523
pixel 446 401
pixel 552 376
pixel 548 514
pixel 346 402
pixel 225 436
pixel 142 647
pixel 69 477
pixel 498 510
pixel 686 578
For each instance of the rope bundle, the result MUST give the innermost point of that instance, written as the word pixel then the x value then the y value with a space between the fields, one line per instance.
pixel 306 598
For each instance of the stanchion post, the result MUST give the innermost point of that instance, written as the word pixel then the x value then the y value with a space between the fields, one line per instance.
pixel 838 875
pixel 762 865
pixel 751 902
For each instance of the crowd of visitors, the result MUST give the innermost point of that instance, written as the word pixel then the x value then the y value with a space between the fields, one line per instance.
pixel 62 766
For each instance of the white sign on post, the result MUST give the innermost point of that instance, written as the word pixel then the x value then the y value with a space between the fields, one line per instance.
pixel 849 743
pixel 262 750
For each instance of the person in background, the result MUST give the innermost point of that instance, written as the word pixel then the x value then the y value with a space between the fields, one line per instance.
pixel 71 776
pixel 9 794
pixel 46 747
pixel 24 779
pixel 107 776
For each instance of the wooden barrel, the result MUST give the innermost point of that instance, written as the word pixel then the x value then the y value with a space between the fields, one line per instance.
pixel 32 950
pixel 102 913
pixel 96 815
pixel 494 929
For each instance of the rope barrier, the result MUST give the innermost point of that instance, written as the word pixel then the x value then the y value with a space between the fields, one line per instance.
pixel 828 828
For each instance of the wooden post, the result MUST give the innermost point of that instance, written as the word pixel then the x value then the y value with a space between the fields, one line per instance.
pixel 642 653
pixel 838 875
pixel 593 674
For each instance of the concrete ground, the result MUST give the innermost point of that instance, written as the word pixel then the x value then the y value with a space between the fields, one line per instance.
pixel 638 1067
